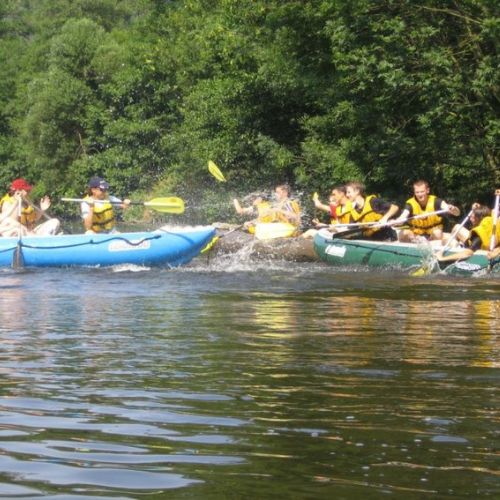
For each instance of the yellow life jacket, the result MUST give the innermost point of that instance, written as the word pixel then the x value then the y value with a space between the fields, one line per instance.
pixel 484 230
pixel 343 214
pixel 425 225
pixel 367 214
pixel 6 198
pixel 28 214
pixel 287 206
pixel 264 213
pixel 103 219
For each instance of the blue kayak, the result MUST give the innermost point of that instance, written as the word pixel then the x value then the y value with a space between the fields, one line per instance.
pixel 168 247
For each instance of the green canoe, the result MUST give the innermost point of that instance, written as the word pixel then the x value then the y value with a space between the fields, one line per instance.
pixel 393 255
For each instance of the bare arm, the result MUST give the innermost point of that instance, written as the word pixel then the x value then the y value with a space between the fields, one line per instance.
pixel 242 210
pixel 452 209
pixel 464 254
pixel 393 210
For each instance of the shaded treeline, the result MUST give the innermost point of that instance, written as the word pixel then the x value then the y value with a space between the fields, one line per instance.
pixel 312 92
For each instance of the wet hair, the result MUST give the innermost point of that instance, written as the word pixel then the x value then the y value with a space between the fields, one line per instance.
pixel 358 186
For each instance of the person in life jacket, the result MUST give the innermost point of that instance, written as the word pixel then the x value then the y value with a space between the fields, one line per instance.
pixel 259 209
pixel 478 237
pixel 420 203
pixel 97 210
pixel 339 209
pixel 284 209
pixel 371 209
pixel 19 214
pixel 339 206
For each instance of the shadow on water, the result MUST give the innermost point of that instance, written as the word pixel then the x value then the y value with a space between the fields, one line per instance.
pixel 247 379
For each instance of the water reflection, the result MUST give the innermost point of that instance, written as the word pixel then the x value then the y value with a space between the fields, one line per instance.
pixel 290 383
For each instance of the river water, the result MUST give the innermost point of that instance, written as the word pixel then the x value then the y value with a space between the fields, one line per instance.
pixel 240 379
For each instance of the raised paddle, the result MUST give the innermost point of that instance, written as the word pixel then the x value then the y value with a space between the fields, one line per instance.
pixel 215 171
pixel 171 205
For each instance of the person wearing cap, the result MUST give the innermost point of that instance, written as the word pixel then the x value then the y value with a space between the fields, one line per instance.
pixel 97 210
pixel 19 214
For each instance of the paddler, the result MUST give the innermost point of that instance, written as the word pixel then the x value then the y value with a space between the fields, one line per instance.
pixel 19 214
pixel 422 202
pixel 339 208
pixel 371 208
pixel 285 209
pixel 478 238
pixel 259 209
pixel 97 210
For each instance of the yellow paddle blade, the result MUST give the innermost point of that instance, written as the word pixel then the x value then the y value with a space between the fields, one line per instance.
pixel 315 196
pixel 214 170
pixel 210 244
pixel 426 269
pixel 171 205
pixel 272 230
pixel 419 272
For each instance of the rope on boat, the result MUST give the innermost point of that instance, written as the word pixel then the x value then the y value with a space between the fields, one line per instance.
pixel 89 242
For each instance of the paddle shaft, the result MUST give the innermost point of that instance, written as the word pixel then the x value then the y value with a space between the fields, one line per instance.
pixel 375 223
pixel 454 233
pixel 39 210
pixel 168 205
pixel 17 256
pixel 90 202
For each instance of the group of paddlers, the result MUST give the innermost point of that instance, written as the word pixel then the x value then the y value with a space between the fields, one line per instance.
pixel 19 216
pixel 354 214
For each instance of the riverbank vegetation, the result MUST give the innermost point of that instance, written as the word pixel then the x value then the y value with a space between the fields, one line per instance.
pixel 311 92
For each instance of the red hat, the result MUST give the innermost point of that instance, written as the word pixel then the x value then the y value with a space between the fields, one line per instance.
pixel 20 185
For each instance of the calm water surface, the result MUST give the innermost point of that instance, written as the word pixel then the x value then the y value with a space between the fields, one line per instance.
pixel 230 379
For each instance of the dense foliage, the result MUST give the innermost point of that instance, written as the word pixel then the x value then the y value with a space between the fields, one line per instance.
pixel 312 92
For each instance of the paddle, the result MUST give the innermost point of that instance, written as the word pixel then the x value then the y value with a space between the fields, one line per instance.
pixel 37 209
pixel 456 230
pixel 393 222
pixel 171 205
pixel 215 239
pixel 214 170
pixel 347 232
pixel 17 257
pixel 493 240
pixel 431 265
pixel 360 226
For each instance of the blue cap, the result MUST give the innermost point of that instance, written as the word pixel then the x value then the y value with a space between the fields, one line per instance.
pixel 98 182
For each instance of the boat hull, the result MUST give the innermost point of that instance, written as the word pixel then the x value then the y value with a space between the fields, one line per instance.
pixel 294 249
pixel 345 252
pixel 164 247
